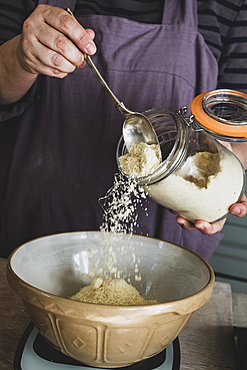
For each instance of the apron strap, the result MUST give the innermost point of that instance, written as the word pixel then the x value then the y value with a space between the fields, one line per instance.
pixel 175 11
pixel 60 3
pixel 180 12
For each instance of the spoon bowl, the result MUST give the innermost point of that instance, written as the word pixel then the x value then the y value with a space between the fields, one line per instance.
pixel 136 129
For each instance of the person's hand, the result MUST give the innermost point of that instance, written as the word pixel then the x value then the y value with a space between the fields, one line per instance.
pixel 203 226
pixel 238 209
pixel 52 42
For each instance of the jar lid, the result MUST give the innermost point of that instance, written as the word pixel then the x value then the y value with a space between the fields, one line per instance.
pixel 223 112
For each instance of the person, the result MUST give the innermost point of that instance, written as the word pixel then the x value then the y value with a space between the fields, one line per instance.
pixel 59 130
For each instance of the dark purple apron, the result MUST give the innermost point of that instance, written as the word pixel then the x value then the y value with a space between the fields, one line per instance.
pixel 64 145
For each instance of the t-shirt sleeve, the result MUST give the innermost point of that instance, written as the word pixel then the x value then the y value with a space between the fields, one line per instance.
pixel 223 24
pixel 10 111
pixel 233 62
pixel 12 15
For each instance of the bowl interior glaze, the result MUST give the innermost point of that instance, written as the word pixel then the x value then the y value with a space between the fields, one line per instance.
pixel 61 264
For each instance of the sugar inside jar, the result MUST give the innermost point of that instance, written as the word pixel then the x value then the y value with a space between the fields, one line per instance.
pixel 197 177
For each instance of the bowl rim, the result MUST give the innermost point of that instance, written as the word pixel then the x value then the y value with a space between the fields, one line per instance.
pixel 209 286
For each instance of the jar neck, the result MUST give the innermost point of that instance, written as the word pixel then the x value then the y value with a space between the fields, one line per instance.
pixel 173 131
pixel 177 154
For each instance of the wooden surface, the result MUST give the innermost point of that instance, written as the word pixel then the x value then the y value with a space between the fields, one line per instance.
pixel 240 310
pixel 209 334
pixel 206 341
pixel 229 260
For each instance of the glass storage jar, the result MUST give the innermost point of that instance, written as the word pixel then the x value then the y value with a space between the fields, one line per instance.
pixel 199 178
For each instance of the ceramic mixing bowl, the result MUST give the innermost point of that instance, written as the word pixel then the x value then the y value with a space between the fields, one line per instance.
pixel 45 271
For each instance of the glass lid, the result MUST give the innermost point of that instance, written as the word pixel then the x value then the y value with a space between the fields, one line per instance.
pixel 223 112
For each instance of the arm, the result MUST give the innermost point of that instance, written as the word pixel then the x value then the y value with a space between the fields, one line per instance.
pixel 51 43
pixel 231 76
pixel 240 150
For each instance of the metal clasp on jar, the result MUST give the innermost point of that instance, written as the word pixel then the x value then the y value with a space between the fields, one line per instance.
pixel 189 121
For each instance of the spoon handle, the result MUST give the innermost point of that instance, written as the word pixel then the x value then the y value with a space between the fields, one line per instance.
pixel 120 106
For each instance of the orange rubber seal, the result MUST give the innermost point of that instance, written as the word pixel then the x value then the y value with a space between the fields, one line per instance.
pixel 227 130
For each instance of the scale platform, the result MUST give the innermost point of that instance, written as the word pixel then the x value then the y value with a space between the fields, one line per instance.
pixel 34 353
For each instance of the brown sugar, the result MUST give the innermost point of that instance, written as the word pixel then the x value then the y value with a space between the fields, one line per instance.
pixel 114 292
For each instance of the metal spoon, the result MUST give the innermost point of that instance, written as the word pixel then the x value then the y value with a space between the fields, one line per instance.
pixel 136 127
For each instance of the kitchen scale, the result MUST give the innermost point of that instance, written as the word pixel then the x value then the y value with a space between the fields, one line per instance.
pixel 34 352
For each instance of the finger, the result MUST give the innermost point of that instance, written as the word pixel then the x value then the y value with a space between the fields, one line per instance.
pixel 203 226
pixel 185 224
pixel 240 209
pixel 52 64
pixel 37 58
pixel 209 228
pixel 37 32
pixel 59 43
pixel 68 25
pixel 91 33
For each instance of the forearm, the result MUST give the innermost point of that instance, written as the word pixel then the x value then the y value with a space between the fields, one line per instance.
pixel 240 150
pixel 15 80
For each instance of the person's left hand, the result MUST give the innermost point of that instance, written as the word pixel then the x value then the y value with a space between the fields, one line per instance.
pixel 203 226
pixel 238 209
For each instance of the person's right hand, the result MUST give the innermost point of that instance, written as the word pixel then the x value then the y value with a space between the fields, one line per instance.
pixel 52 42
